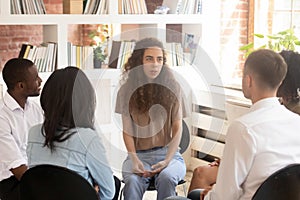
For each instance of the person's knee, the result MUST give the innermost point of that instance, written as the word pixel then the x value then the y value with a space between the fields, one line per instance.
pixel 135 186
pixel 199 171
pixel 132 180
pixel 164 180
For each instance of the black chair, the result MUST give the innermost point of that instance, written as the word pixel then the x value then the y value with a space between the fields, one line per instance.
pixel 183 145
pixel 49 182
pixel 283 184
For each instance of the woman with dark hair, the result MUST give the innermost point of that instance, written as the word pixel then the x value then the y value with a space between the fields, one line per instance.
pixel 289 90
pixel 67 137
pixel 150 102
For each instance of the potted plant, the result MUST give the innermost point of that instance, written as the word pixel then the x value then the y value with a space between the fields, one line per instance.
pixel 99 42
pixel 99 56
pixel 283 40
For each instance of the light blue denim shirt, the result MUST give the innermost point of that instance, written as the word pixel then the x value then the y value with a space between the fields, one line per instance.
pixel 83 153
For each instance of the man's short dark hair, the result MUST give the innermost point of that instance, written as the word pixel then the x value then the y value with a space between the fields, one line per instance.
pixel 15 70
pixel 267 66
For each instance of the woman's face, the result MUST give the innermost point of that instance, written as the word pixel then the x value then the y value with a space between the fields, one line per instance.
pixel 152 62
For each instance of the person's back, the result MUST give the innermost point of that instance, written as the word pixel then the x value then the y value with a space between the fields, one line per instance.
pixel 273 138
pixel 73 153
pixel 262 141
pixel 67 136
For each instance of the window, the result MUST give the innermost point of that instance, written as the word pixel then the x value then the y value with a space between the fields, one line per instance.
pixel 274 16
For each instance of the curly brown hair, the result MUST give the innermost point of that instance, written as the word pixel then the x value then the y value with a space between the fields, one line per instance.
pixel 164 88
pixel 289 86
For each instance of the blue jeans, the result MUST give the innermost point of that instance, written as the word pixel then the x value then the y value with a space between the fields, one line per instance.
pixel 165 182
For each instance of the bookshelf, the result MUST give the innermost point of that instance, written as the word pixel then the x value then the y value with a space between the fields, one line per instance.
pixel 55 26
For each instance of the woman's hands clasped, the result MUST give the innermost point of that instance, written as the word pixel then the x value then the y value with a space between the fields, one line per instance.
pixel 138 168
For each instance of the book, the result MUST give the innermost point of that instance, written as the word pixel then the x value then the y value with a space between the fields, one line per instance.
pixel 174 5
pixel 24 50
pixel 72 6
pixel 114 54
pixel 199 7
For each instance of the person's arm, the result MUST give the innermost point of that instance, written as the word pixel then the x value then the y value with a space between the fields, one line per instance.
pixel 10 152
pixel 237 159
pixel 99 168
pixel 172 148
pixel 138 166
pixel 19 171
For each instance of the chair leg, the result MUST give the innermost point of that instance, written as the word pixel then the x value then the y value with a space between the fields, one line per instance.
pixel 121 193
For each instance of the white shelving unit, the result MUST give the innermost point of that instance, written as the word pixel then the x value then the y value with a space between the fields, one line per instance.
pixel 56 25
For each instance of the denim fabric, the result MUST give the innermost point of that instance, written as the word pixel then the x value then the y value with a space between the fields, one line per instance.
pixel 165 182
pixel 83 152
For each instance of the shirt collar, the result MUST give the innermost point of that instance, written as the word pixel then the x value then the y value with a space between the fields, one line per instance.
pixel 267 102
pixel 11 103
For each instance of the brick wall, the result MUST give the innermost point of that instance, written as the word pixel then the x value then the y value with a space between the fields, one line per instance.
pixel 234 34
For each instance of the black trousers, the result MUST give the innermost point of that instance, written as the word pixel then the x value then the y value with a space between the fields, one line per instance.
pixel 10 189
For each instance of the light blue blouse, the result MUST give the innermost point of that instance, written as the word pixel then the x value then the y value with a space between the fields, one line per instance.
pixel 83 153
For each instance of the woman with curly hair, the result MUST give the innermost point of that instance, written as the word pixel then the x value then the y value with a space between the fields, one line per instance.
pixel 289 90
pixel 150 102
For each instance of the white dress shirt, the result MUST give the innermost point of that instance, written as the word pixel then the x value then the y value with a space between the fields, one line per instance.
pixel 257 144
pixel 14 126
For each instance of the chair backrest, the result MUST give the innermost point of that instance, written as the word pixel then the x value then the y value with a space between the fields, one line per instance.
pixel 185 138
pixel 283 184
pixel 49 182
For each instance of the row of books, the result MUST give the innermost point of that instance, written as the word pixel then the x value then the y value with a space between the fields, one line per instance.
pixel 44 56
pixel 120 52
pixel 83 56
pixel 132 7
pixel 80 56
pixel 175 55
pixel 28 7
pixel 95 7
pixel 184 6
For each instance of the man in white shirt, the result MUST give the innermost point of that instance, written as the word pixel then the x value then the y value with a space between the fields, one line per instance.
pixel 262 141
pixel 17 115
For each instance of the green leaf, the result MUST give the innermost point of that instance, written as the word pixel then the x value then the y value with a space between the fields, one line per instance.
pixel 273 37
pixel 247 46
pixel 283 32
pixel 297 42
pixel 259 35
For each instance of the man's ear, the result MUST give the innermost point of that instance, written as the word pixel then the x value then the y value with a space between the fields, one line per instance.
pixel 249 80
pixel 20 85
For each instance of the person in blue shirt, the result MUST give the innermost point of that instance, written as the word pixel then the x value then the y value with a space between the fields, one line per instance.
pixel 67 136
